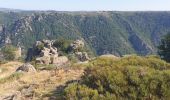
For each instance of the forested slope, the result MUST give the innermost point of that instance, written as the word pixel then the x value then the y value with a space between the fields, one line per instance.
pixel 118 33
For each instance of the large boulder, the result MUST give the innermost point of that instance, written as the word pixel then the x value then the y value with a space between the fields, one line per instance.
pixel 59 60
pixel 43 60
pixel 27 67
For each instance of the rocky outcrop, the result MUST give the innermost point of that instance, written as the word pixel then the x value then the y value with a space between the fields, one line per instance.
pixel 82 56
pixel 26 68
pixel 45 53
pixel 77 44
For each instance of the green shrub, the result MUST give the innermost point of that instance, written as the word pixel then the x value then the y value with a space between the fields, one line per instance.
pixel 8 52
pixel 63 45
pixel 131 77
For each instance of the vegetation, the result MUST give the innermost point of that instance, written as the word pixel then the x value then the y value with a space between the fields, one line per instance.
pixel 117 33
pixel 12 77
pixel 164 48
pixel 130 77
pixel 63 45
pixel 8 51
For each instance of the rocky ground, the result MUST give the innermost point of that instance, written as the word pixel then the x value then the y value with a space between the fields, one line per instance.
pixel 44 85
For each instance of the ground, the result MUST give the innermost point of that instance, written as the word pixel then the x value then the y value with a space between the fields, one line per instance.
pixel 46 84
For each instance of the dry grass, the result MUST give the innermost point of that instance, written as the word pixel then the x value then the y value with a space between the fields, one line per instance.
pixel 46 81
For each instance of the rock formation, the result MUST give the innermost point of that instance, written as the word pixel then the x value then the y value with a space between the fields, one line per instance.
pixel 45 53
pixel 26 68
pixel 78 46
pixel 82 56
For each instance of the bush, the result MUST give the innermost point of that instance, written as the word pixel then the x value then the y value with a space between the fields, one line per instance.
pixel 8 52
pixel 63 45
pixel 130 77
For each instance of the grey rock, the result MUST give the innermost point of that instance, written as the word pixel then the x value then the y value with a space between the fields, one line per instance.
pixel 77 44
pixel 82 56
pixel 26 68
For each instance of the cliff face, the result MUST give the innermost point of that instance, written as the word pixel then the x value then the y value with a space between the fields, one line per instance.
pixel 117 33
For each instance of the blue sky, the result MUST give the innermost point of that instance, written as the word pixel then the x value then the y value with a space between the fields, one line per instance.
pixel 88 5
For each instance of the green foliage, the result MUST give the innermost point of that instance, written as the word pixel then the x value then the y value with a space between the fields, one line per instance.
pixel 164 48
pixel 80 92
pixel 40 47
pixel 104 32
pixel 130 77
pixel 63 45
pixel 8 52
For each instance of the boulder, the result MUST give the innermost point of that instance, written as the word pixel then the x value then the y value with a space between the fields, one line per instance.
pixel 26 68
pixel 60 60
pixel 82 56
pixel 43 60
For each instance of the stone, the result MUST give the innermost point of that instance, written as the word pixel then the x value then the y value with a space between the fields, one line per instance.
pixel 82 56
pixel 43 60
pixel 77 44
pixel 27 67
pixel 48 54
pixel 60 60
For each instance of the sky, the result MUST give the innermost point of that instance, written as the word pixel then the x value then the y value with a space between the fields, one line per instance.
pixel 88 5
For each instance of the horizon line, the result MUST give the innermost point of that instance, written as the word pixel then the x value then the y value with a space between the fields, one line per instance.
pixel 13 9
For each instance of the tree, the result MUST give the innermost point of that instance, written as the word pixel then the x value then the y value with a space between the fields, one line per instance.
pixel 164 48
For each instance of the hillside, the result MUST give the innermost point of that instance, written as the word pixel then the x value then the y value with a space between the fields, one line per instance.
pixel 105 77
pixel 117 33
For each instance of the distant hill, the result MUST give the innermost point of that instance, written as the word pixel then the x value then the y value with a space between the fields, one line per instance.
pixel 10 10
pixel 117 33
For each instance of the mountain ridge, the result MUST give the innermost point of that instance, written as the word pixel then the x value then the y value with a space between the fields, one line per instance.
pixel 105 32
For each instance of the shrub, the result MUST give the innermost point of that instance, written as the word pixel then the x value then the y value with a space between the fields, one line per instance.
pixel 8 52
pixel 62 45
pixel 131 77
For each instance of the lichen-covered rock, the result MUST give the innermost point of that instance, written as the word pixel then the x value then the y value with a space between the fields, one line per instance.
pixel 27 67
